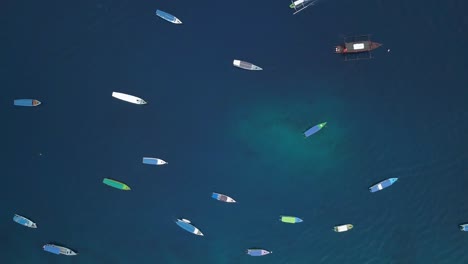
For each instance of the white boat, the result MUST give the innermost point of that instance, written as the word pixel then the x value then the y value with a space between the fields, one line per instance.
pixel 24 221
pixel 128 98
pixel 246 65
pixel 57 250
pixel 343 228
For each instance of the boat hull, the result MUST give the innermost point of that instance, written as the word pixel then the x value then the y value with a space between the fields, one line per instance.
pixel 153 161
pixel 24 221
pixel 59 250
pixel 258 252
pixel 382 185
pixel 290 219
pixel 343 228
pixel 309 132
pixel 128 98
pixel 168 17
pixel 116 184
pixel 246 65
pixel 357 47
pixel 222 198
pixel 26 102
pixel 188 227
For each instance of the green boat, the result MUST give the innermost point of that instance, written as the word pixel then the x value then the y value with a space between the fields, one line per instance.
pixel 116 184
pixel 290 219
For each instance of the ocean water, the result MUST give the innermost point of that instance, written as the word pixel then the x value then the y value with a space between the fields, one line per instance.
pixel 402 114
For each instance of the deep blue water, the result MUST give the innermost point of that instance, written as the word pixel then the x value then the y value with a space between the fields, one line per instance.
pixel 403 114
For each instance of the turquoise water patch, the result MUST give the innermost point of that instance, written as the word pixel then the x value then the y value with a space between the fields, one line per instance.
pixel 272 129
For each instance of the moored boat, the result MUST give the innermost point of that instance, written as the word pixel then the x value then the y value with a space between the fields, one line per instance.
pixel 290 219
pixel 24 221
pixel 246 65
pixel 222 198
pixel 128 98
pixel 187 226
pixel 258 252
pixel 116 184
pixel 309 132
pixel 343 228
pixel 26 102
pixel 382 185
pixel 59 250
pixel 153 161
pixel 168 17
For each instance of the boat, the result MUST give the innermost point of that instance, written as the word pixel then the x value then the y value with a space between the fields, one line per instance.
pixel 187 226
pixel 300 5
pixel 382 185
pixel 290 219
pixel 246 65
pixel 168 17
pixel 463 227
pixel 222 198
pixel 153 161
pixel 24 221
pixel 59 250
pixel 26 102
pixel 258 252
pixel 116 184
pixel 129 98
pixel 357 47
pixel 309 132
pixel 343 228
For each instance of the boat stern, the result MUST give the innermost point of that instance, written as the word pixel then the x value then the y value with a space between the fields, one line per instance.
pixel 339 49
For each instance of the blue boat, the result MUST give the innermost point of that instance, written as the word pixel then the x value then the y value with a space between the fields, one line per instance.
pixel 24 221
pixel 57 250
pixel 153 161
pixel 258 252
pixel 51 249
pixel 26 102
pixel 168 17
pixel 382 185
pixel 309 132
pixel 187 226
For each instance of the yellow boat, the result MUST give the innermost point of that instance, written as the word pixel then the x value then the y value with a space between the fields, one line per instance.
pixel 343 228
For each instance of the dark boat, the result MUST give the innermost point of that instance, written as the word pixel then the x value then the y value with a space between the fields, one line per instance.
pixel 356 48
